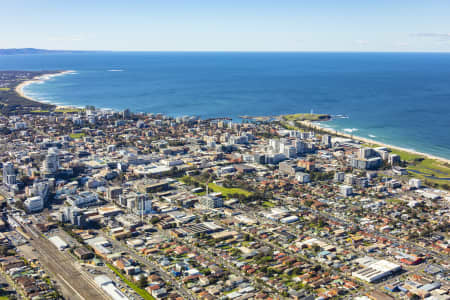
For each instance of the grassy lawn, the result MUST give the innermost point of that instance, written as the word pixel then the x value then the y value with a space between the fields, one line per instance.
pixel 68 110
pixel 431 167
pixel 40 111
pixel 231 291
pixel 228 191
pixel 268 204
pixel 394 201
pixel 306 117
pixel 289 127
pixel 77 135
pixel 141 292
pixel 406 155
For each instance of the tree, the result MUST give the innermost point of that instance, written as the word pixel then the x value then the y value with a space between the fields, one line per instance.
pixel 3 250
pixel 20 205
pixel 142 283
pixel 315 248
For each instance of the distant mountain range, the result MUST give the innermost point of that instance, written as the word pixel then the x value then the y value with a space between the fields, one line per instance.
pixel 14 51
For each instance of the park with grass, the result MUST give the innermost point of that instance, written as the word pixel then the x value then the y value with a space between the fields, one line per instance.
pixel 68 110
pixel 306 117
pixel 40 111
pixel 226 192
pixel 77 135
pixel 62 110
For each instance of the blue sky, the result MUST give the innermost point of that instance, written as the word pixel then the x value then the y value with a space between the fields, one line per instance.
pixel 227 25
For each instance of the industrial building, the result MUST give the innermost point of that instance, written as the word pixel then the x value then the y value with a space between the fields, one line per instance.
pixel 58 242
pixel 375 270
pixel 290 219
pixel 110 287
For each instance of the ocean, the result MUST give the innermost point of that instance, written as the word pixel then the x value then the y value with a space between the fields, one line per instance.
pixel 401 99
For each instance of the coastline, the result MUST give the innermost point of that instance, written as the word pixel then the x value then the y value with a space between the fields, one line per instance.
pixel 371 141
pixel 41 78
pixel 312 124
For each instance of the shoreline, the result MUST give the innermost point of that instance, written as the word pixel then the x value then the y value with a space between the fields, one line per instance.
pixel 41 78
pixel 371 141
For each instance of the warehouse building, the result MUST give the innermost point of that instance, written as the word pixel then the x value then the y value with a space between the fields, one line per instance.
pixel 375 270
pixel 83 253
pixel 58 242
pixel 110 287
pixel 290 219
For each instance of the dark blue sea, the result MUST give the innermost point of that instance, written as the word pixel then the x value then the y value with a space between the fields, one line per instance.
pixel 397 98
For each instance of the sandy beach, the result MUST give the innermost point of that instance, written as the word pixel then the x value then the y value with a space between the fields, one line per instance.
pixel 40 78
pixel 370 141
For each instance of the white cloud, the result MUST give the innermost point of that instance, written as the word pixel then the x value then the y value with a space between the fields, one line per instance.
pixel 434 35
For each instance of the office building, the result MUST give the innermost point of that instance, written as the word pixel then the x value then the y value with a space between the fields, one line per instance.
pixel 326 140
pixel 302 177
pixel 34 204
pixel 51 162
pixel 113 193
pixel 346 190
pixel 415 182
pixel 210 201
pixel 339 176
pixel 137 203
pixel 394 159
pixel 73 216
pixel 9 174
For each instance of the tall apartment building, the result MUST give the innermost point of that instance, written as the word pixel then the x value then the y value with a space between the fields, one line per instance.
pixel 9 174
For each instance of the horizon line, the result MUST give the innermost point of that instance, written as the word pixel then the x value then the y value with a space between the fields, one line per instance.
pixel 236 51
